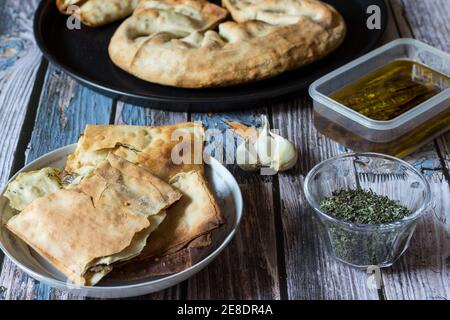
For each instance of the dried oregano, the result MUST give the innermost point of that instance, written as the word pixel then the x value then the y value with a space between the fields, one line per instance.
pixel 363 207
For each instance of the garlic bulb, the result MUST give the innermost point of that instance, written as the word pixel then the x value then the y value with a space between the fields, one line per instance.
pixel 268 150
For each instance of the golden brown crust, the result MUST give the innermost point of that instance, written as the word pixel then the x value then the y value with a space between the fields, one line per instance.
pixel 196 214
pixel 174 262
pixel 95 220
pixel 96 13
pixel 167 47
pixel 140 191
pixel 70 231
pixel 150 147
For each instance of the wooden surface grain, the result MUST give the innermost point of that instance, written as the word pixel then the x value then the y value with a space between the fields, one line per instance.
pixel 311 272
pixel 251 259
pixel 424 271
pixel 19 62
pixel 277 252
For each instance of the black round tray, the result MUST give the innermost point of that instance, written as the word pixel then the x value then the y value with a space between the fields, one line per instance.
pixel 84 55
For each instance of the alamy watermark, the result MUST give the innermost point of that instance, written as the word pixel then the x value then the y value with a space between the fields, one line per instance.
pixel 374 19
pixel 74 20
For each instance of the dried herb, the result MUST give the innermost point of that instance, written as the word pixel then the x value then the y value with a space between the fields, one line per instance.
pixel 363 207
pixel 361 247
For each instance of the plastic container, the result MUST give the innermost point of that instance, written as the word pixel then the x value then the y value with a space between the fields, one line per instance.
pixel 363 245
pixel 398 136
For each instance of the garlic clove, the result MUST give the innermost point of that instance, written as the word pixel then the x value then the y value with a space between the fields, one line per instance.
pixel 264 144
pixel 268 150
pixel 285 154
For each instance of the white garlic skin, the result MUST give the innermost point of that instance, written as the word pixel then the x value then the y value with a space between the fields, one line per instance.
pixel 285 155
pixel 269 150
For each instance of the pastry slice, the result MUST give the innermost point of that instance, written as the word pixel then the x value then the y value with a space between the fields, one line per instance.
pixel 183 237
pixel 72 232
pixel 106 219
pixel 196 215
pixel 150 147
pixel 95 13
pixel 29 186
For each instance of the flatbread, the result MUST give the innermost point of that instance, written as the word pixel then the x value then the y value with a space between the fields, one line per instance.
pixel 267 37
pixel 71 231
pixel 95 13
pixel 139 190
pixel 196 214
pixel 29 186
pixel 104 220
pixel 150 147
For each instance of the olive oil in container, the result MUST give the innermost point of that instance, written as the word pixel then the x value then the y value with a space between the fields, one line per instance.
pixel 392 100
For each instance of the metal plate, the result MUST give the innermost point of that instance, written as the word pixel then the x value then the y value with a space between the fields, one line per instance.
pixel 223 185
pixel 83 54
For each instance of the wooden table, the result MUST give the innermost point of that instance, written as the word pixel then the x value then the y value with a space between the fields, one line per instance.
pixel 277 253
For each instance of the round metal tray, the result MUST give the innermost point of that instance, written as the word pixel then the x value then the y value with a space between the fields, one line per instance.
pixel 83 54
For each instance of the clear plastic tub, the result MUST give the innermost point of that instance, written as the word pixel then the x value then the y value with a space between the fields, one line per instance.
pixel 398 136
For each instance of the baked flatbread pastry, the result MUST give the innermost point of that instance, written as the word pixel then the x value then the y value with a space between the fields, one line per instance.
pixel 163 44
pixel 71 231
pixel 29 186
pixel 106 219
pixel 95 13
pixel 154 148
pixel 196 214
pixel 188 224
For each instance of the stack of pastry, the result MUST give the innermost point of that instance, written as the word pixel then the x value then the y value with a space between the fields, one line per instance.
pixel 124 208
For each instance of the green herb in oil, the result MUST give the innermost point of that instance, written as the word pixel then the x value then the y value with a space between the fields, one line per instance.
pixel 363 207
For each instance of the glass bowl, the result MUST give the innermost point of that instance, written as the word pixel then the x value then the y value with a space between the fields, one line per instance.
pixel 363 245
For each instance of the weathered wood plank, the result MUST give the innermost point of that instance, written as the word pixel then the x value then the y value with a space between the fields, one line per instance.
pixel 64 109
pixel 443 144
pixel 19 63
pixel 135 115
pixel 311 272
pixel 423 272
pixel 248 267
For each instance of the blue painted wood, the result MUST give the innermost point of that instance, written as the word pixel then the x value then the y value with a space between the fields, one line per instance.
pixel 136 115
pixel 64 110
pixel 19 62
pixel 276 209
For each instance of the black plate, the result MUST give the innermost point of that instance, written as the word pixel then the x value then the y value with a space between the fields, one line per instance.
pixel 83 54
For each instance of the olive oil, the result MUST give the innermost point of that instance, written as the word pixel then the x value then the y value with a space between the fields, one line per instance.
pixel 392 90
pixel 383 95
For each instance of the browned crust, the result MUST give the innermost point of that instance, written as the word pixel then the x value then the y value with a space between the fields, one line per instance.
pixel 213 62
pixel 96 13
